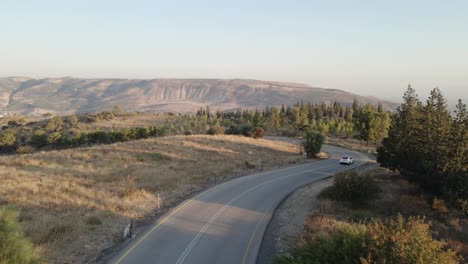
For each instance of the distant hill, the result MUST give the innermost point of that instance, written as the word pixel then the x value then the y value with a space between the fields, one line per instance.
pixel 28 96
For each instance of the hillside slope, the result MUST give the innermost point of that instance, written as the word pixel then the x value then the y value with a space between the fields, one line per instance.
pixel 28 96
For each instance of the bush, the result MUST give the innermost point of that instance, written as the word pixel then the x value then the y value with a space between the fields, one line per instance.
pixel 215 130
pixel 14 247
pixel 54 138
pixel 8 137
pixel 257 132
pixel 187 132
pixel 245 130
pixel 55 124
pixel 393 241
pixel 24 150
pixel 39 138
pixel 358 189
pixel 361 216
pixel 72 120
pixel 313 142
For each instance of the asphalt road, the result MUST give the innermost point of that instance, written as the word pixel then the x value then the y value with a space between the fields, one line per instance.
pixel 225 224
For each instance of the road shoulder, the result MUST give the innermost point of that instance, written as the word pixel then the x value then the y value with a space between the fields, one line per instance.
pixel 287 222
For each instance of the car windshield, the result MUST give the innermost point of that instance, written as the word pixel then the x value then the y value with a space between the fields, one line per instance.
pixel 345 158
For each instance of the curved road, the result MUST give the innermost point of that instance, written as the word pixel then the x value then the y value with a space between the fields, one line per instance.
pixel 225 224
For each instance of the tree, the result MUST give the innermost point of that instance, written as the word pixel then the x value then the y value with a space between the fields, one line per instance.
pixel 54 138
pixel 72 120
pixel 8 137
pixel 365 123
pixel 459 138
pixel 274 118
pixel 117 111
pixel 399 149
pixel 313 142
pixel 257 120
pixel 382 125
pixel 429 147
pixel 38 138
pixel 215 130
pixel 55 124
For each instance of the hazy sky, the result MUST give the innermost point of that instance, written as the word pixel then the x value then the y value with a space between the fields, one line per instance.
pixel 367 47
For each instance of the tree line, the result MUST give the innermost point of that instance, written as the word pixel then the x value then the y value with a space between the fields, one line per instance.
pixel 429 146
pixel 365 122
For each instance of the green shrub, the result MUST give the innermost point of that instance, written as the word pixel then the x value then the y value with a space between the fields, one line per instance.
pixel 358 189
pixel 394 241
pixel 188 132
pixel 215 130
pixel 54 138
pixel 55 124
pixel 39 138
pixel 239 130
pixel 313 142
pixel 72 120
pixel 8 137
pixel 14 247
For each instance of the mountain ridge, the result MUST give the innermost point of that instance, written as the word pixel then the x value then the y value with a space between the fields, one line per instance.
pixel 67 95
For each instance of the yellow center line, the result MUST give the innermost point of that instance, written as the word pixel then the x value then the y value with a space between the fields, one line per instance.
pixel 247 249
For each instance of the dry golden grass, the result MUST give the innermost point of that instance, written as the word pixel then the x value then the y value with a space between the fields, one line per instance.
pixel 353 144
pixel 75 201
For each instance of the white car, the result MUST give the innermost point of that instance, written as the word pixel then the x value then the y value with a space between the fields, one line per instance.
pixel 346 160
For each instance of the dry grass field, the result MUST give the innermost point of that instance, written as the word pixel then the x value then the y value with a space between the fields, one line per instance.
pixel 75 202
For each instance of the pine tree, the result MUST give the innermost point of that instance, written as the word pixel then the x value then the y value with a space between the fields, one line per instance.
pixel 399 151
pixel 459 139
pixel 274 119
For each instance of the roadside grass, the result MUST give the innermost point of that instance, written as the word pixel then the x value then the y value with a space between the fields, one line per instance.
pixel 353 144
pixel 398 198
pixel 75 202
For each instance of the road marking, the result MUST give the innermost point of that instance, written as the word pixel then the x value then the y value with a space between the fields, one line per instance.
pixel 203 193
pixel 246 252
pixel 187 250
pixel 162 222
pixel 213 218
pixel 249 244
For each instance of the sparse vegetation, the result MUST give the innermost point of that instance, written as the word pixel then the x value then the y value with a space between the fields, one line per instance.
pixel 14 247
pixel 65 194
pixel 401 227
pixel 391 241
